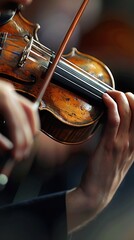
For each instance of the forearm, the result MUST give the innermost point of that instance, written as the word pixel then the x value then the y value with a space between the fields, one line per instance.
pixel 81 209
pixel 107 167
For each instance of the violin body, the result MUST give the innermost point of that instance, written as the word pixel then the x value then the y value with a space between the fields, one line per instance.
pixel 66 115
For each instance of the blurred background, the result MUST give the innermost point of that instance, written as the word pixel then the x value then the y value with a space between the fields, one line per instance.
pixel 105 31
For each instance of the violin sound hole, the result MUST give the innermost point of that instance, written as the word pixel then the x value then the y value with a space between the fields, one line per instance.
pixel 27 95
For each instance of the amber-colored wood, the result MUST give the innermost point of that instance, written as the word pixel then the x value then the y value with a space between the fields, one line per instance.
pixel 65 116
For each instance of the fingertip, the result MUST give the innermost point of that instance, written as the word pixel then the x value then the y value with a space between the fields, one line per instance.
pixel 130 94
pixel 106 97
pixel 5 142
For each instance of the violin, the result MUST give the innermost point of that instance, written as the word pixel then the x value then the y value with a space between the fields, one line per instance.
pixel 71 108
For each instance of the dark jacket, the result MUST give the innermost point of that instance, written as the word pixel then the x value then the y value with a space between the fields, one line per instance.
pixel 42 218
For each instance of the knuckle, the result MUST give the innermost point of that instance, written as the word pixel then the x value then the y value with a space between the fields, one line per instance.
pixel 122 147
pixel 126 146
pixel 121 95
pixel 115 121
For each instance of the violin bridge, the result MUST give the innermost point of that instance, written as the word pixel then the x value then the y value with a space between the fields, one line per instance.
pixel 25 53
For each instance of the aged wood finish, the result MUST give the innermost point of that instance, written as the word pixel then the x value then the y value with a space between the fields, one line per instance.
pixel 66 116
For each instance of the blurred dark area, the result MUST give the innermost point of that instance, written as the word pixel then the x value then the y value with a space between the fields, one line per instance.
pixel 106 31
pixel 111 41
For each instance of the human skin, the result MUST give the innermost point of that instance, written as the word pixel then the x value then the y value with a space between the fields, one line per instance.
pixel 22 121
pixel 108 164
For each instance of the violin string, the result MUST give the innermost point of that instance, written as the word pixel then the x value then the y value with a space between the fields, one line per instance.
pixel 78 78
pixel 68 62
pixel 78 68
pixel 82 81
pixel 17 53
pixel 43 51
pixel 67 79
pixel 17 46
pixel 38 55
pixel 85 89
pixel 91 77
pixel 87 75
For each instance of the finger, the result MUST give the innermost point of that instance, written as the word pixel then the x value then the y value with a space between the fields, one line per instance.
pixel 19 130
pixel 32 119
pixel 5 143
pixel 32 114
pixel 113 119
pixel 130 98
pixel 21 118
pixel 6 172
pixel 124 112
pixel 23 135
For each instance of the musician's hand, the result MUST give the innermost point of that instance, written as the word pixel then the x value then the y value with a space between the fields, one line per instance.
pixel 22 121
pixel 109 163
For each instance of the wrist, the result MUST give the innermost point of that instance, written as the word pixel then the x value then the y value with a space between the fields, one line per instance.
pixel 81 208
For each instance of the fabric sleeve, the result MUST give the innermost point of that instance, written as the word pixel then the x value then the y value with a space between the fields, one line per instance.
pixel 42 218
